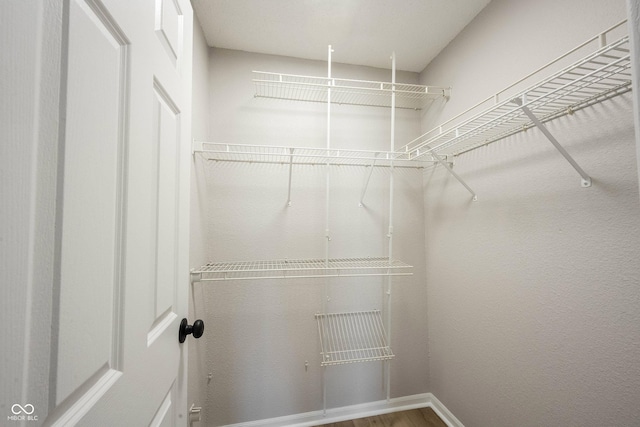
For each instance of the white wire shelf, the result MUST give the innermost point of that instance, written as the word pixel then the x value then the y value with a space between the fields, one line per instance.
pixel 352 337
pixel 306 156
pixel 600 75
pixel 345 91
pixel 300 268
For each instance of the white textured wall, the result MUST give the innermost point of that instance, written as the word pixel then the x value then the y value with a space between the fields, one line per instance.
pixel 534 290
pixel 259 334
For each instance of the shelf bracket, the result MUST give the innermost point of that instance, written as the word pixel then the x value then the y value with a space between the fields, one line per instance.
pixel 196 146
pixel 586 179
pixel 290 173
pixel 195 276
pixel 446 165
pixel 366 183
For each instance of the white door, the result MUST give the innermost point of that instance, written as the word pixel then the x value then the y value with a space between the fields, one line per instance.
pixel 123 243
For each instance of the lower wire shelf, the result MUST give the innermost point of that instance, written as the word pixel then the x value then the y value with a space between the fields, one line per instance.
pixel 352 337
pixel 300 268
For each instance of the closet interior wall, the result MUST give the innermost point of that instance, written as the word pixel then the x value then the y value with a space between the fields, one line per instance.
pixel 261 347
pixel 533 290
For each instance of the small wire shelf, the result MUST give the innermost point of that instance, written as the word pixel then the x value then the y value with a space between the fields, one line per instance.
pixel 306 156
pixel 345 91
pixel 352 337
pixel 598 76
pixel 300 268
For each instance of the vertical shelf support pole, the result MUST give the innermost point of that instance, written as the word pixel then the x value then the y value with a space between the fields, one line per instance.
pixel 327 172
pixel 586 179
pixel 290 172
pixel 392 148
pixel 325 300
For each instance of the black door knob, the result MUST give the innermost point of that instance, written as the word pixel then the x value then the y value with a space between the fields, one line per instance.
pixel 185 329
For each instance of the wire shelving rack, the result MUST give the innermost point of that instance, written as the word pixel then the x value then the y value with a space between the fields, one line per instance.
pixel 345 91
pixel 352 337
pixel 247 153
pixel 360 336
pixel 598 76
pixel 300 268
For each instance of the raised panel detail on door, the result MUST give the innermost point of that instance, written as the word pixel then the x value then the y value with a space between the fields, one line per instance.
pixel 92 246
pixel 166 142
pixel 165 416
pixel 169 27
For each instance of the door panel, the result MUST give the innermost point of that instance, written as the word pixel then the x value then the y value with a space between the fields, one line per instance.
pixel 93 199
pixel 124 275
pixel 166 125
pixel 166 412
pixel 169 27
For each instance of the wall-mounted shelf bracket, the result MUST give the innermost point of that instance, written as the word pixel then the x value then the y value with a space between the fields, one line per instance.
pixel 448 166
pixel 195 275
pixel 366 182
pixel 196 146
pixel 521 102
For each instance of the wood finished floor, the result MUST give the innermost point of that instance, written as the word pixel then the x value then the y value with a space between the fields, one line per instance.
pixel 423 417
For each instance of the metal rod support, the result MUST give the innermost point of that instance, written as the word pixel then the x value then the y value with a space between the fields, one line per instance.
pixel 439 159
pixel 586 179
pixel 290 172
pixel 392 147
pixel 327 297
pixel 366 183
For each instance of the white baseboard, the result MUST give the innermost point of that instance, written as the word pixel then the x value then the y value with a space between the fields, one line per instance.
pixel 334 415
pixel 444 413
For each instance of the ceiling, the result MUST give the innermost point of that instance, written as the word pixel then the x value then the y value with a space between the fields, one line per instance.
pixel 361 32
